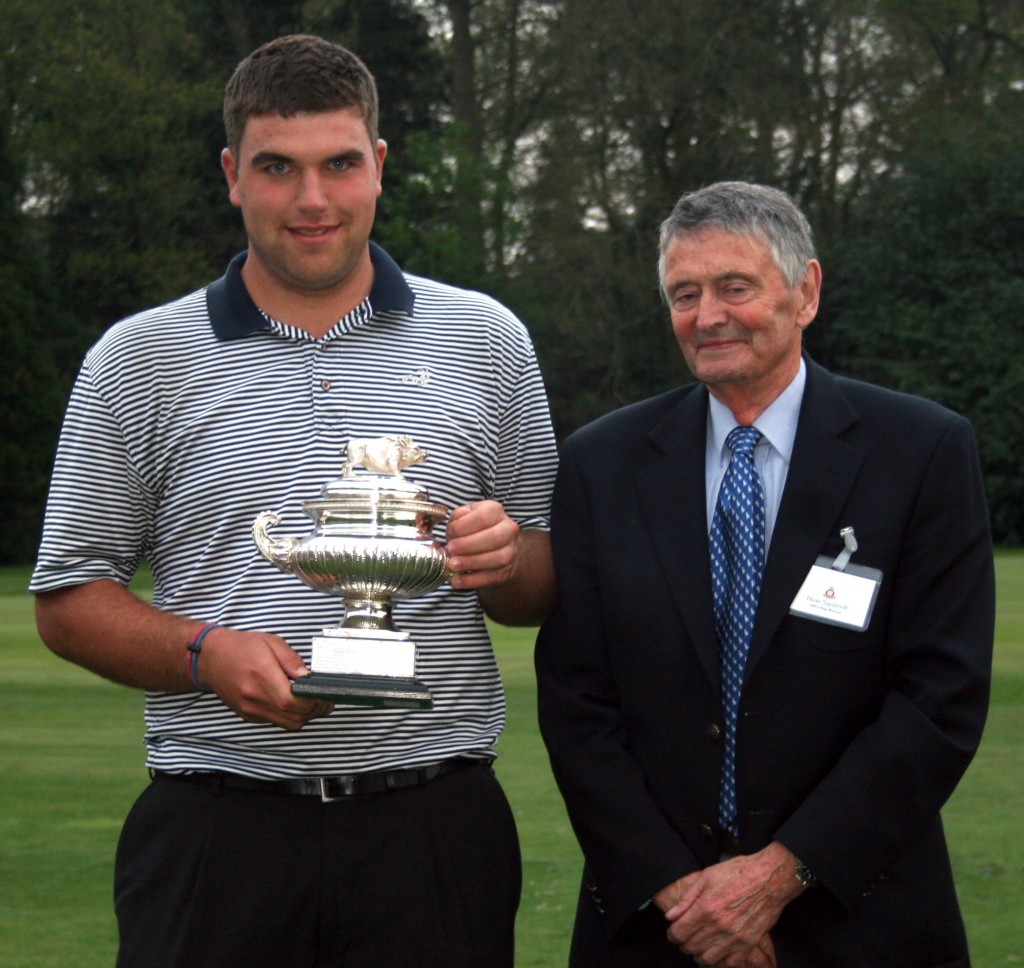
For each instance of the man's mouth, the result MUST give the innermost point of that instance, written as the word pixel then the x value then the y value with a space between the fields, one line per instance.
pixel 714 344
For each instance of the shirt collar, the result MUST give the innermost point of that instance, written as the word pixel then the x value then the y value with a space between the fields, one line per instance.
pixel 233 314
pixel 778 423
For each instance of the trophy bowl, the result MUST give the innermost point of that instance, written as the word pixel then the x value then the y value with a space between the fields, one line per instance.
pixel 372 544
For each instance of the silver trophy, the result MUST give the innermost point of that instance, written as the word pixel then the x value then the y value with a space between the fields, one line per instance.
pixel 372 543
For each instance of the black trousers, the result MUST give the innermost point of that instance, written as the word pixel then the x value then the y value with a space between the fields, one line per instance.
pixel 425 876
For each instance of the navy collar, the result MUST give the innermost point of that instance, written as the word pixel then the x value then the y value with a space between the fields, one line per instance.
pixel 233 314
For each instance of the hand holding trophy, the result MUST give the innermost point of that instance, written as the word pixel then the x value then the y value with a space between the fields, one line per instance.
pixel 372 543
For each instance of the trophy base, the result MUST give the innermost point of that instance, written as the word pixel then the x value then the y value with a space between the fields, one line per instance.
pixel 381 692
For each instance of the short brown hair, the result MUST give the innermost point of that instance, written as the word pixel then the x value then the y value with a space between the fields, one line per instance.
pixel 298 74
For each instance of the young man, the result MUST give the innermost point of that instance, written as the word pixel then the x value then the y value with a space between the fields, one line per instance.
pixel 770 663
pixel 187 421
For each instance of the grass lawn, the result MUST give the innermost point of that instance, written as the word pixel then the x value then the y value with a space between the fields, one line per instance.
pixel 71 763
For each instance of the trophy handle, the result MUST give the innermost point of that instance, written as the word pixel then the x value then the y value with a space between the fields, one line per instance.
pixel 278 551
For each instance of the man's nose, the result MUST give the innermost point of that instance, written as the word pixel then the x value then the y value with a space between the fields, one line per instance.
pixel 311 191
pixel 711 311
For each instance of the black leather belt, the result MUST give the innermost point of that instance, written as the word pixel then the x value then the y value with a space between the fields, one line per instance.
pixel 329 788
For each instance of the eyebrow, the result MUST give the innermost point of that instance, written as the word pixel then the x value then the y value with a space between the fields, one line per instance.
pixel 267 157
pixel 275 158
pixel 729 275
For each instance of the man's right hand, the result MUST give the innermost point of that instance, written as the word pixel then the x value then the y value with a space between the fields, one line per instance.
pixel 102 626
pixel 252 673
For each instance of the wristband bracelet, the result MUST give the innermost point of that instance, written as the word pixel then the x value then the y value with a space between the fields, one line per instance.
pixel 194 648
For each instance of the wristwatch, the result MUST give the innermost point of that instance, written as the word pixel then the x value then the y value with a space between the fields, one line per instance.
pixel 804 875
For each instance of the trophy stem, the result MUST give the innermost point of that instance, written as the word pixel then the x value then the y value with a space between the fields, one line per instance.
pixel 366 613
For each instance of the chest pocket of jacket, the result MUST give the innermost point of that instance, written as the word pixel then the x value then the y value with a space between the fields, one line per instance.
pixel 825 637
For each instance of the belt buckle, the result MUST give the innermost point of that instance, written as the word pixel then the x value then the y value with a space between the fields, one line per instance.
pixel 347 782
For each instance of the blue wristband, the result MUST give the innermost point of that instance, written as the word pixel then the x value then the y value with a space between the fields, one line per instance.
pixel 194 648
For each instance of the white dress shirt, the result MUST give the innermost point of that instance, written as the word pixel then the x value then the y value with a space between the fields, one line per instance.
pixel 771 455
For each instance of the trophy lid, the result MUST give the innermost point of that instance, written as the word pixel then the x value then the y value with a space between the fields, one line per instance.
pixel 376 487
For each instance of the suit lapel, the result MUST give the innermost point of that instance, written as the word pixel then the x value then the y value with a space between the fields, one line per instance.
pixel 821 474
pixel 671 496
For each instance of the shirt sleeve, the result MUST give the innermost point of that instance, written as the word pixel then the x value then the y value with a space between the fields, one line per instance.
pixel 527 456
pixel 97 513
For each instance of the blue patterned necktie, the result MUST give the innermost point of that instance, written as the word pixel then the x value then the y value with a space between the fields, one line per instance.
pixel 737 566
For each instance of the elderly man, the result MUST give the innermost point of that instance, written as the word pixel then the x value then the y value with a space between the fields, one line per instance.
pixel 770 664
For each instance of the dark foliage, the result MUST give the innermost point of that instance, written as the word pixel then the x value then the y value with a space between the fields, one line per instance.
pixel 534 147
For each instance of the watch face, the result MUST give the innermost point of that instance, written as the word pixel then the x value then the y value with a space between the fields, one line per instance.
pixel 804 875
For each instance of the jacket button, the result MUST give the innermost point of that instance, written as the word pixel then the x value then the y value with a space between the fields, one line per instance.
pixel 707 831
pixel 713 732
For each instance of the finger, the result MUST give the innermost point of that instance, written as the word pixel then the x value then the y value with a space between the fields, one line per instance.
pixel 295 716
pixel 476 579
pixel 288 659
pixel 473 520
pixel 498 537
pixel 492 560
pixel 458 515
pixel 467 519
pixel 494 547
pixel 322 709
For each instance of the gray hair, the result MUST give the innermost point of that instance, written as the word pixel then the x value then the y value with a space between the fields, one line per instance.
pixel 742 208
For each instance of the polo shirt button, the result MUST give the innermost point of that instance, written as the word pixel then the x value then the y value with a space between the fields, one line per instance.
pixel 325 384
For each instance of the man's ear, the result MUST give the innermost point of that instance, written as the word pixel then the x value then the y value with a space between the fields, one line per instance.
pixel 381 153
pixel 810 294
pixel 230 169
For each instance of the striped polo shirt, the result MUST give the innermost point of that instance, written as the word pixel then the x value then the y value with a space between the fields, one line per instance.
pixel 188 420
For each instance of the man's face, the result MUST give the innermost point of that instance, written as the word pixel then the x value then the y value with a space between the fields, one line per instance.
pixel 308 187
pixel 739 325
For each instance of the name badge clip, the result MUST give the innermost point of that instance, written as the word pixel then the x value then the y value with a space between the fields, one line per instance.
pixel 850 546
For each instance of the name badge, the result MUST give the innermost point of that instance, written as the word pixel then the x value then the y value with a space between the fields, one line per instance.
pixel 839 593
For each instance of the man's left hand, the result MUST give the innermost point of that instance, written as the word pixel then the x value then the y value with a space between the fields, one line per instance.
pixel 511 570
pixel 722 915
pixel 482 541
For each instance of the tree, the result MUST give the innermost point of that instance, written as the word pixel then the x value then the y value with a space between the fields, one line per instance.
pixel 115 166
pixel 535 146
pixel 31 393
pixel 930 282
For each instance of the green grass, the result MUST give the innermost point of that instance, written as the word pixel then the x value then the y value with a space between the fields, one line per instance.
pixel 71 763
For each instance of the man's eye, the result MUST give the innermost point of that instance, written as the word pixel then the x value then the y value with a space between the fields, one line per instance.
pixel 340 164
pixel 277 168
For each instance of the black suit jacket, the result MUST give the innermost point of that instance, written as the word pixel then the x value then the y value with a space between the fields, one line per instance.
pixel 848 742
